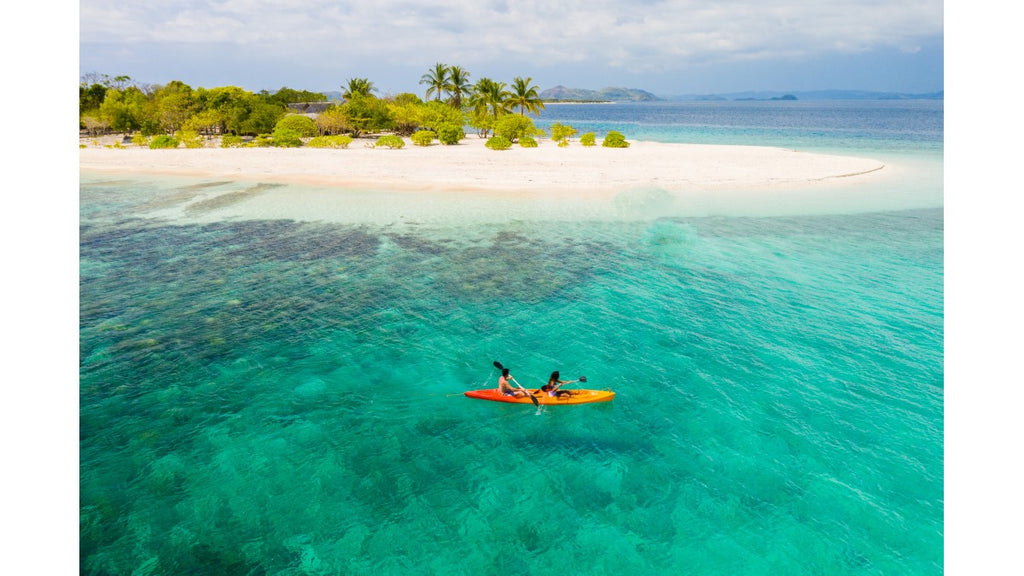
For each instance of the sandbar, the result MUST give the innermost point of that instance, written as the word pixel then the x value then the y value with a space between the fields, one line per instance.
pixel 470 166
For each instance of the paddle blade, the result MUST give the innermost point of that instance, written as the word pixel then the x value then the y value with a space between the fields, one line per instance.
pixel 498 365
pixel 582 378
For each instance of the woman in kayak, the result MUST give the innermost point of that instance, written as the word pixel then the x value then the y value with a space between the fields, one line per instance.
pixel 505 388
pixel 553 385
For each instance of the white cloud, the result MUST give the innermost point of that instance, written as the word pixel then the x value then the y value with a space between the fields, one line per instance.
pixel 645 36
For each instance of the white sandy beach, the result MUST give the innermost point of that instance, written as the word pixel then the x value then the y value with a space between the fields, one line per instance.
pixel 469 166
pixel 470 182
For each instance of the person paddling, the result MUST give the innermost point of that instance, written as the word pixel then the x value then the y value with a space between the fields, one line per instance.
pixel 505 388
pixel 553 385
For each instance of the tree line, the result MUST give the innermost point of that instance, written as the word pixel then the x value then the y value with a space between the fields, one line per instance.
pixel 118 104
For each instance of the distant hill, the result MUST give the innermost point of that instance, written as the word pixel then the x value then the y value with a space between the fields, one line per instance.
pixel 564 94
pixel 810 95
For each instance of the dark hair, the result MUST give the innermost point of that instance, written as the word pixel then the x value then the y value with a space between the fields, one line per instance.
pixel 504 371
pixel 554 375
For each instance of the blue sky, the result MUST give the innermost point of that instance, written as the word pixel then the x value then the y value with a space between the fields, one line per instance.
pixel 668 47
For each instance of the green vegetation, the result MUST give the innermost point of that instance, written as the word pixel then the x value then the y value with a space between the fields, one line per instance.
pixel 304 125
pixel 513 127
pixel 423 137
pixel 153 114
pixel 498 143
pixel 528 142
pixel 287 138
pixel 164 141
pixel 449 134
pixel 562 134
pixel 390 141
pixel 190 138
pixel 339 141
pixel 615 140
pixel 525 97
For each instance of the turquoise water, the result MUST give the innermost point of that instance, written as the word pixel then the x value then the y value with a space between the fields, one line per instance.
pixel 283 397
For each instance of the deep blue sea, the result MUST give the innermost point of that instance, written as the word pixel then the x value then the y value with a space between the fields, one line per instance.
pixel 264 396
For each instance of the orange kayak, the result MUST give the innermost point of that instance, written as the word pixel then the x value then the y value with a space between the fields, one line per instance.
pixel 577 397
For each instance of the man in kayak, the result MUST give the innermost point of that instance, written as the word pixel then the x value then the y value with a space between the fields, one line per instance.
pixel 553 385
pixel 505 388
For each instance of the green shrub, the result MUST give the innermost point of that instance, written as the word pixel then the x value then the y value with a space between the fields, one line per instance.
pixel 231 141
pixel 560 133
pixel 287 138
pixel 390 141
pixel 164 141
pixel 588 139
pixel 423 137
pixel 498 143
pixel 261 141
pixel 615 140
pixel 449 134
pixel 339 141
pixel 304 125
pixel 513 127
pixel 528 142
pixel 190 138
pixel 139 139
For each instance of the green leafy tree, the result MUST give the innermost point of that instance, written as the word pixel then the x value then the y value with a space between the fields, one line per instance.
pixel 514 127
pixel 175 103
pixel 90 97
pixel 458 86
pixel 406 111
pixel 562 134
pixel 290 96
pixel 525 97
pixel 436 80
pixel 357 87
pixel 123 110
pixel 207 122
pixel 333 121
pixel 588 139
pixel 434 114
pixel 367 113
pixel 488 101
pixel 241 111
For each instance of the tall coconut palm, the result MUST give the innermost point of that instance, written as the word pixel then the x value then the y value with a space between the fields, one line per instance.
pixel 357 87
pixel 525 97
pixel 489 96
pixel 458 85
pixel 436 80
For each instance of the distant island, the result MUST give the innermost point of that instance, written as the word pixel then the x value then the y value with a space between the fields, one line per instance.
pixel 809 95
pixel 611 94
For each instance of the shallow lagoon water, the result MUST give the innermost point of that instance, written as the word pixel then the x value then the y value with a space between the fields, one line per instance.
pixel 263 396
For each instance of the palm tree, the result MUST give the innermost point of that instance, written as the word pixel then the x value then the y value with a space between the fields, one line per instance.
pixel 458 85
pixel 525 97
pixel 489 96
pixel 436 80
pixel 357 87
